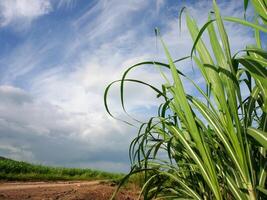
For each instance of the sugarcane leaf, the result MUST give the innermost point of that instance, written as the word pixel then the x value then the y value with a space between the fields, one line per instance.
pixel 258 135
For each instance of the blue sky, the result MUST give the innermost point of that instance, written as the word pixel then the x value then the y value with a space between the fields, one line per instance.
pixel 57 57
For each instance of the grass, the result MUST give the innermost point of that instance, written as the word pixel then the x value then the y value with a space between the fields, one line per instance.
pixel 211 145
pixel 12 170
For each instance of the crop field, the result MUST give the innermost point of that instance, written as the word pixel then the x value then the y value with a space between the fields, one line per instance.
pixel 22 171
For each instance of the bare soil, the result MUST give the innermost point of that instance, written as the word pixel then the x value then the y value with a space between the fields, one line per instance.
pixel 82 190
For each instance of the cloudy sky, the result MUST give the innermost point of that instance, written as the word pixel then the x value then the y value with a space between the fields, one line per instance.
pixel 57 57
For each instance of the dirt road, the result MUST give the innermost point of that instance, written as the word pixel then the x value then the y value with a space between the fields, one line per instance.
pixel 84 190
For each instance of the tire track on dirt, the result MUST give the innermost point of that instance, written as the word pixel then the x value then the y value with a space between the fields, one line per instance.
pixel 20 186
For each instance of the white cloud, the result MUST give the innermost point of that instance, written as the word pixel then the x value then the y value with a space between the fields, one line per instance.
pixel 69 4
pixel 22 11
pixel 9 95
pixel 39 131
pixel 159 4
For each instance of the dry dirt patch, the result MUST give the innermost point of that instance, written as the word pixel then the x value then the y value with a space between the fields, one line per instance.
pixel 84 190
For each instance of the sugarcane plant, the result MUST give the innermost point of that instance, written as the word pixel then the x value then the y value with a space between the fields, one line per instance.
pixel 211 145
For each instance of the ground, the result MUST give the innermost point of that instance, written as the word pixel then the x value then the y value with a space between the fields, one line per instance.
pixel 85 190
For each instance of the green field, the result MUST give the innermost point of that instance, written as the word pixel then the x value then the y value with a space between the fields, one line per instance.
pixel 12 170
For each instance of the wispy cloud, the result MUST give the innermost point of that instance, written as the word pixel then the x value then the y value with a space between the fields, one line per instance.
pixel 22 12
pixel 68 4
